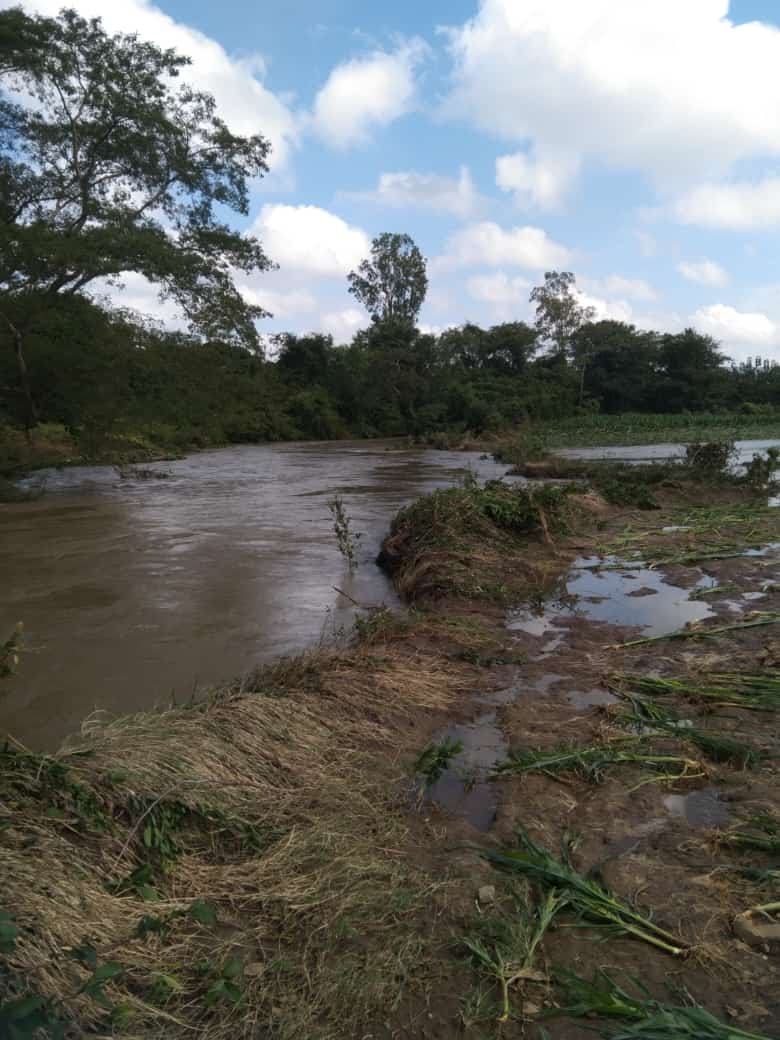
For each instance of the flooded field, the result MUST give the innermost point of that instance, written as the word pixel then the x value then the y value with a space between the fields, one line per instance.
pixel 136 591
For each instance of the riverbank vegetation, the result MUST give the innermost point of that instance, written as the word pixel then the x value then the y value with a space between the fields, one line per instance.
pixel 271 861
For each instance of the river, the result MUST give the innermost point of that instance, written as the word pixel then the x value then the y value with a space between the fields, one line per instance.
pixel 134 592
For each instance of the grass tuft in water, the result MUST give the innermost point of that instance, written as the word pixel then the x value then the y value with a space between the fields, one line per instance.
pixel 584 895
pixel 434 762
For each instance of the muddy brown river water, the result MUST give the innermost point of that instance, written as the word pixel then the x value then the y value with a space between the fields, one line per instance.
pixel 136 591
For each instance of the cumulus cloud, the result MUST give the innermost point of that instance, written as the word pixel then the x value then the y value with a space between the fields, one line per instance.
pixel 540 180
pixel 279 302
pixel 704 272
pixel 743 334
pixel 432 191
pixel 342 324
pixel 739 206
pixel 311 240
pixel 486 244
pixel 245 104
pixel 673 89
pixel 366 93
pixel 627 288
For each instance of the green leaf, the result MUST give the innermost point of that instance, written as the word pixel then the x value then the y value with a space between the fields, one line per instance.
pixel 203 912
pixel 232 968
pixel 107 971
pixel 8 932
pixel 86 954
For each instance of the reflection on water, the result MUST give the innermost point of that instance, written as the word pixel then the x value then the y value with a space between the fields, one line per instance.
pixel 135 591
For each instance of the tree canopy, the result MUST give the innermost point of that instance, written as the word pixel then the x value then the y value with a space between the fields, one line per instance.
pixel 109 164
pixel 392 284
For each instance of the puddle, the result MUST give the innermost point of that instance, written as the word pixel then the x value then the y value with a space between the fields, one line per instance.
pixel 591 698
pixel 655 607
pixel 462 789
pixel 701 808
pixel 753 595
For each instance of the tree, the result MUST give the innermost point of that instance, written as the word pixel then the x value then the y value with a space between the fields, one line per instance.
pixel 559 312
pixel 392 284
pixel 110 166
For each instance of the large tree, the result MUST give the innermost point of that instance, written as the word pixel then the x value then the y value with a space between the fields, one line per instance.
pixel 559 310
pixel 392 283
pixel 109 164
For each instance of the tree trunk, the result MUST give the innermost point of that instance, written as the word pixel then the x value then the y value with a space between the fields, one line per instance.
pixel 24 378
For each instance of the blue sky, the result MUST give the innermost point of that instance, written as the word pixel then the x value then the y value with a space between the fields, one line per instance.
pixel 635 143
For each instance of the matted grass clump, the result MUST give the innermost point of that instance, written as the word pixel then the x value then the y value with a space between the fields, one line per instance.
pixel 472 541
pixel 225 870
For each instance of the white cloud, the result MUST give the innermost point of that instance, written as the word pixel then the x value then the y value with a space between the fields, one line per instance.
pixel 310 239
pixel 627 288
pixel 648 246
pixel 704 272
pixel 607 310
pixel 243 101
pixel 411 190
pixel 486 244
pixel 673 89
pixel 366 93
pixel 498 288
pixel 541 180
pixel 280 303
pixel 343 324
pixel 737 206
pixel 742 334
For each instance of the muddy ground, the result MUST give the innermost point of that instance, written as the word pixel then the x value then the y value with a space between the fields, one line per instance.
pixel 652 840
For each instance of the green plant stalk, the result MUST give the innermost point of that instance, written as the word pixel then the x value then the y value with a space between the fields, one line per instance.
pixel 583 894
pixel 703 633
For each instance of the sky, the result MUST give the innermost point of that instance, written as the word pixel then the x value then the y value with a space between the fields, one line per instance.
pixel 634 143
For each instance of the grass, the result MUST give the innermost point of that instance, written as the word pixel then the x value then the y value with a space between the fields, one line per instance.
pixel 645 1018
pixel 585 896
pixel 592 763
pixel 268 809
pixel 457 542
pixel 754 691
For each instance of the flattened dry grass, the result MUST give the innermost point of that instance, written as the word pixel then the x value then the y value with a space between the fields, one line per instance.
pixel 238 863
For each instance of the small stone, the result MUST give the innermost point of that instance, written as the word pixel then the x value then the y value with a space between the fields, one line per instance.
pixel 487 894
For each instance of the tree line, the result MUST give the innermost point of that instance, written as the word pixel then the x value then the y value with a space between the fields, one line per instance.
pixel 109 164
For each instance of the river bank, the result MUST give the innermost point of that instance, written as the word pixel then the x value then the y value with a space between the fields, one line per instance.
pixel 281 861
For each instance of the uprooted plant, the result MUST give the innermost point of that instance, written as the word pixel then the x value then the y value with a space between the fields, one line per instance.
pixel 593 762
pixel 503 945
pixel 584 895
pixel 645 1018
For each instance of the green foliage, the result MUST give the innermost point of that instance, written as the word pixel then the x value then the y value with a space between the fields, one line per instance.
pixel 8 932
pixel 434 762
pixel 761 471
pixel 559 314
pixel 711 457
pixel 225 984
pixel 29 1018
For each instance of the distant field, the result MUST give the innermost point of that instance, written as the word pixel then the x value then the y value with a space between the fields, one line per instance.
pixel 635 428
